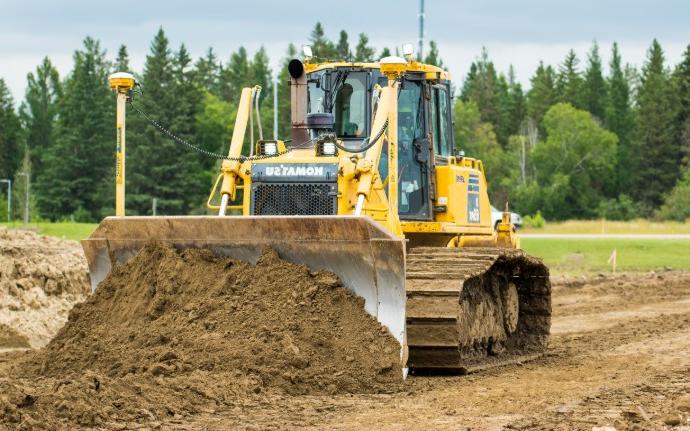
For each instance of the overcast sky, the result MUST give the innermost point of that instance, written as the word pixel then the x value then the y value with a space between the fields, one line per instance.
pixel 515 32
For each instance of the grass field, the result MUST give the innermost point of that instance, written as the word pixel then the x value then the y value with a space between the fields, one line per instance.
pixel 611 227
pixel 570 256
pixel 573 256
pixel 73 231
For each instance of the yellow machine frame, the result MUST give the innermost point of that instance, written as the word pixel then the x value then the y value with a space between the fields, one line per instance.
pixel 361 190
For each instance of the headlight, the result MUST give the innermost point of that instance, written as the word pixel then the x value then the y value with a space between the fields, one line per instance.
pixel 270 148
pixel 328 149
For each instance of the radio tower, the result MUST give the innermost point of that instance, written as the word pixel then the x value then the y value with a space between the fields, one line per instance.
pixel 421 30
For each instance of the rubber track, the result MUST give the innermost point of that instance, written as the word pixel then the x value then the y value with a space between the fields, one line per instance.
pixel 455 320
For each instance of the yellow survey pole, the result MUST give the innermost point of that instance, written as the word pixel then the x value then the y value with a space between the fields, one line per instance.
pixel 122 83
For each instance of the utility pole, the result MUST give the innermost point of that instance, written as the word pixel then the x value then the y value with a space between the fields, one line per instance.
pixel 26 195
pixel 9 198
pixel 275 107
pixel 421 30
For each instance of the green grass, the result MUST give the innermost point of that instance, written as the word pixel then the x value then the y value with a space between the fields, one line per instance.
pixel 73 231
pixel 564 256
pixel 572 256
pixel 640 226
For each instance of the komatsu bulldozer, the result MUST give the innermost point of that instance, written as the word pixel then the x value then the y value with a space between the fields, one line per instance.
pixel 371 187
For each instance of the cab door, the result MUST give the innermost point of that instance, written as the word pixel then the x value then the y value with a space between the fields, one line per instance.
pixel 414 198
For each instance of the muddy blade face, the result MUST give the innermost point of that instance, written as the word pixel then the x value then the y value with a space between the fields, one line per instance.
pixel 367 259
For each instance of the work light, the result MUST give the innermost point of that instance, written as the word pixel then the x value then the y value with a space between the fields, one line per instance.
pixel 270 148
pixel 328 149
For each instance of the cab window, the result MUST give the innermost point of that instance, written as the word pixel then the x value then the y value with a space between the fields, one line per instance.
pixel 315 96
pixel 350 108
pixel 440 119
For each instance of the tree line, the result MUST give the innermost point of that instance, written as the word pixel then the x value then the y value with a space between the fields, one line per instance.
pixel 582 142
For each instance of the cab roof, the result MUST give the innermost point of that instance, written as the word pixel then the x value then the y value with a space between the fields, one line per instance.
pixel 432 72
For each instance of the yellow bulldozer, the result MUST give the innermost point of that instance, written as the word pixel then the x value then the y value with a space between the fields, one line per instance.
pixel 370 187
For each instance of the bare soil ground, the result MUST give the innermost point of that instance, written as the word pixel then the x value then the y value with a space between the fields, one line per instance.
pixel 41 278
pixel 172 334
pixel 619 358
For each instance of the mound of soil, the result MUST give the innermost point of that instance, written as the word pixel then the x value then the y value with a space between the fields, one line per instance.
pixel 11 339
pixel 41 278
pixel 174 333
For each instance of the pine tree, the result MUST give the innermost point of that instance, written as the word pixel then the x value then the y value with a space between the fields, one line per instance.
pixel 468 83
pixel 260 72
pixel 489 92
pixel 619 117
pixel 503 121
pixel 40 109
pixel 655 155
pixel 152 158
pixel 516 104
pixel 122 60
pixel 343 47
pixel 207 74
pixel 569 82
pixel 322 48
pixel 364 52
pixel 594 86
pixel 10 134
pixel 235 75
pixel 481 86
pixel 542 94
pixel 284 94
pixel 191 183
pixel 682 78
pixel 433 56
pixel 77 176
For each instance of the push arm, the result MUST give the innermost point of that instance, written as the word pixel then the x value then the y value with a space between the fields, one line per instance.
pixel 367 167
pixel 230 168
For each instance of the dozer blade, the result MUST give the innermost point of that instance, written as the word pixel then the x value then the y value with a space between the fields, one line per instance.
pixel 368 259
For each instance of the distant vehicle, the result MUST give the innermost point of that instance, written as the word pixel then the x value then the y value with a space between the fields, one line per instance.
pixel 497 215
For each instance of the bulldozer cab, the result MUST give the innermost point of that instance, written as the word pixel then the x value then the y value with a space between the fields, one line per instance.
pixel 424 125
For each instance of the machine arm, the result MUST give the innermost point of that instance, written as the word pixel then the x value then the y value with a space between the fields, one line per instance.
pixel 230 168
pixel 367 167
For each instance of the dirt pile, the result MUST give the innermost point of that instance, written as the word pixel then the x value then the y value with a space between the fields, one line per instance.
pixel 11 339
pixel 41 278
pixel 174 333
